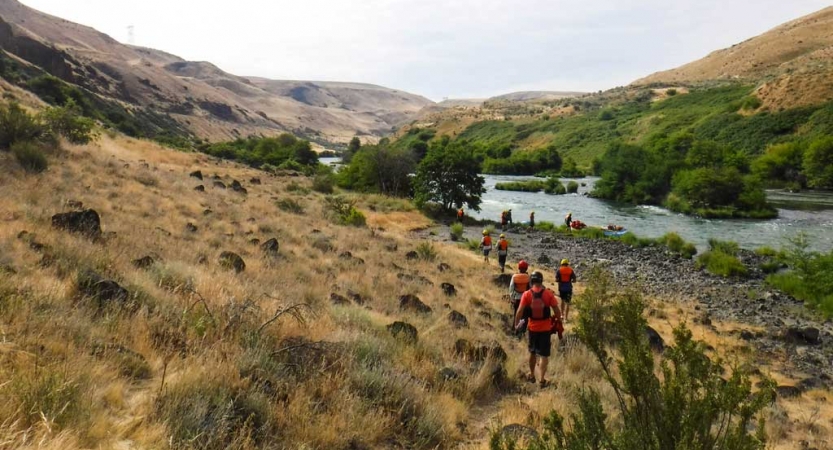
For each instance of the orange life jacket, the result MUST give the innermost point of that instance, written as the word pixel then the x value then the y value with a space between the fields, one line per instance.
pixel 538 308
pixel 521 281
pixel 565 274
pixel 487 241
pixel 460 213
pixel 502 245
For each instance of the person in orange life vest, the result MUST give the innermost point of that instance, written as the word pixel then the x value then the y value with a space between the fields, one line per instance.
pixel 539 308
pixel 518 285
pixel 565 276
pixel 502 251
pixel 503 218
pixel 532 220
pixel 486 245
pixel 460 215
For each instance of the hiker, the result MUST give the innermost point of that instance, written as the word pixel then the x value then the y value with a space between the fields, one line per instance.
pixel 503 217
pixel 539 309
pixel 532 220
pixel 568 220
pixel 509 217
pixel 518 285
pixel 566 276
pixel 460 214
pixel 486 245
pixel 502 251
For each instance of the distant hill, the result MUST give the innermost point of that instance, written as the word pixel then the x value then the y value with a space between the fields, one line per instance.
pixel 792 64
pixel 525 96
pixel 203 98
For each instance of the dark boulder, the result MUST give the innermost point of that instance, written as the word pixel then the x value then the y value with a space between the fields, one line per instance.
pixel 144 262
pixel 237 187
pixel 448 289
pixel 412 303
pixel 403 331
pixel 191 228
pixel 219 185
pixel 357 298
pixel 747 335
pixel 544 259
pixel 447 374
pixel 787 391
pixel 85 222
pixel 339 300
pixel 656 341
pixel 502 280
pixel 94 286
pixel 255 181
pixel 412 255
pixel 196 174
pixel 457 319
pixel 200 188
pixel 232 261
pixel 271 247
pixel 802 335
pixel 254 242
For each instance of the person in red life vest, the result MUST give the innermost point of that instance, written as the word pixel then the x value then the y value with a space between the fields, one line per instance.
pixel 565 276
pixel 502 252
pixel 460 215
pixel 486 245
pixel 504 216
pixel 517 286
pixel 539 309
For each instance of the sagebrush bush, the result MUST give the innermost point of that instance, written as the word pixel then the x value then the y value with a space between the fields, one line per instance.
pixel 290 205
pixel 456 231
pixel 323 183
pixel 728 247
pixel 17 125
pixel 30 156
pixel 724 264
pixel 426 251
pixel 344 212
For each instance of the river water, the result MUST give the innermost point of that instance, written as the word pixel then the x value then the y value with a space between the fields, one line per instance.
pixel 808 213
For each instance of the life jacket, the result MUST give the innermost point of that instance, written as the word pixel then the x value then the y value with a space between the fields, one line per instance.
pixel 503 245
pixel 521 281
pixel 565 274
pixel 538 309
pixel 487 241
pixel 460 213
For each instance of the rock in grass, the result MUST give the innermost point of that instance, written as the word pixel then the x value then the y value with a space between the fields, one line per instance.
pixel 457 319
pixel 271 247
pixel 339 300
pixel 93 285
pixel 403 331
pixel 196 174
pixel 449 289
pixel 232 261
pixel 143 262
pixel 802 335
pixel 200 188
pixel 85 222
pixel 412 303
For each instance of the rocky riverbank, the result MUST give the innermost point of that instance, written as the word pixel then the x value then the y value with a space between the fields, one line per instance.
pixel 792 333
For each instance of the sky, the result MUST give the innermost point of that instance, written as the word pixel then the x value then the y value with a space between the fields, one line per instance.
pixel 438 48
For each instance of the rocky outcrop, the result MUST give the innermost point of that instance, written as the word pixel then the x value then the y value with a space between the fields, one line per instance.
pixel 85 222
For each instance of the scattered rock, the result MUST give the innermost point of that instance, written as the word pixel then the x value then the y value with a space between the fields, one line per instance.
pixel 230 260
pixel 485 314
pixel 196 174
pixel 219 185
pixel 787 391
pixel 803 335
pixel 207 212
pixel 144 262
pixel 200 188
pixel 357 298
pixel 74 204
pixel 348 256
pixel 339 300
pixel 85 222
pixel 93 285
pixel 412 303
pixel 747 335
pixel 271 247
pixel 414 278
pixel 23 235
pixel 443 267
pixel 255 181
pixel 254 242
pixel 237 187
pixel 457 319
pixel 404 331
pixel 448 289
pixel 412 255
pixel 191 228
pixel 479 353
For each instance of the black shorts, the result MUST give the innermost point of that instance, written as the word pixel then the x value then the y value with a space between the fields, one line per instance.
pixel 567 296
pixel 502 259
pixel 540 343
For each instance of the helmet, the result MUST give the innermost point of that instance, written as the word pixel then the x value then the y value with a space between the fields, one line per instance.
pixel 502 236
pixel 523 265
pixel 536 277
pixel 565 262
pixel 485 232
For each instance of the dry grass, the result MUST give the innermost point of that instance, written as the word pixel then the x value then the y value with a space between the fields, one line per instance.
pixel 196 338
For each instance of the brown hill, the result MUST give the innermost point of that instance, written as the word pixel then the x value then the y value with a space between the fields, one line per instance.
pixel 207 100
pixel 793 63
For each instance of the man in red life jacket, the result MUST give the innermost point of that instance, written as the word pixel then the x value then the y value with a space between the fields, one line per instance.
pixel 539 308
pixel 565 276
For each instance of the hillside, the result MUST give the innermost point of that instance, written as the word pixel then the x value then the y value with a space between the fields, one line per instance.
pixel 209 102
pixel 525 96
pixel 792 63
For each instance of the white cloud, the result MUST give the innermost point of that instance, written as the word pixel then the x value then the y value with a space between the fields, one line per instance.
pixel 438 48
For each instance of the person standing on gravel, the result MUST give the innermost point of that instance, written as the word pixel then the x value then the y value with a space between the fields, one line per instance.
pixel 565 276
pixel 486 245
pixel 460 215
pixel 568 220
pixel 502 252
pixel 532 220
pixel 538 307
pixel 503 217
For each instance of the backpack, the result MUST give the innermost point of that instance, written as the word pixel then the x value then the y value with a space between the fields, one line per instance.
pixel 538 309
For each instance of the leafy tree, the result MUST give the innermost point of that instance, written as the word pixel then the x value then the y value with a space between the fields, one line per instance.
pixel 818 163
pixel 708 187
pixel 450 176
pixel 16 125
pixel 377 168
pixel 688 406
pixel 781 162
pixel 69 122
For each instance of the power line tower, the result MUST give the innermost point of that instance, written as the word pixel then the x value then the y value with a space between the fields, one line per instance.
pixel 131 35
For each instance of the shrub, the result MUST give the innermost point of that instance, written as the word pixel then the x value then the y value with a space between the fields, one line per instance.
pixel 770 267
pixel 671 92
pixel 811 275
pixel 16 125
pixel 426 251
pixel 473 245
pixel 766 252
pixel 323 183
pixel 30 156
pixel 545 226
pixel 69 122
pixel 591 233
pixel 290 205
pixel 457 230
pixel 722 264
pixel 296 187
pixel 728 247
pixel 344 211
pixel 678 245
pixel 572 187
pixel 553 186
pixel 521 186
pixel 699 406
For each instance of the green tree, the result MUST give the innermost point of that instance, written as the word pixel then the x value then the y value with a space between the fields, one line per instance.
pixel 377 168
pixel 450 176
pixel 69 122
pixel 781 162
pixel 17 125
pixel 818 163
pixel 685 403
pixel 709 187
